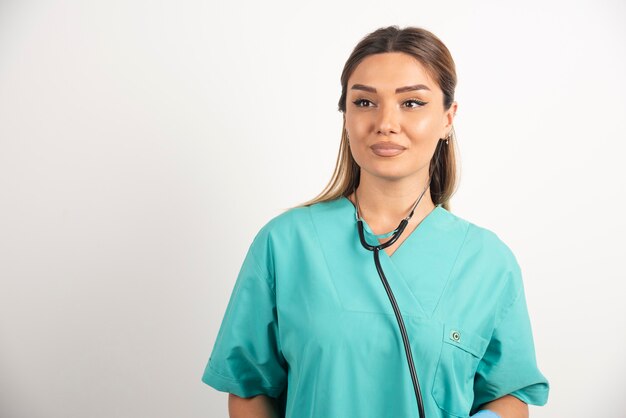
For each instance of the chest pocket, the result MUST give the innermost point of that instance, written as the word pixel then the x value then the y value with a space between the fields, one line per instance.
pixel 453 387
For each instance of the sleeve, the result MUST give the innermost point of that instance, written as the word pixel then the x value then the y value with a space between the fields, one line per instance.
pixel 246 359
pixel 509 365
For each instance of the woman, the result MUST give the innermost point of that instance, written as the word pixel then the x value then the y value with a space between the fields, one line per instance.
pixel 311 329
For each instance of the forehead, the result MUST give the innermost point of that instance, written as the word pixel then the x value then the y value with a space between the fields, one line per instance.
pixel 390 70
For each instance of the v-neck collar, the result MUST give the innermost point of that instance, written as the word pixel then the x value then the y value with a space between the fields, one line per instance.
pixel 418 271
pixel 373 239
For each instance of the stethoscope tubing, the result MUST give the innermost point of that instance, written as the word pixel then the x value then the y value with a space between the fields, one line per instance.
pixel 396 310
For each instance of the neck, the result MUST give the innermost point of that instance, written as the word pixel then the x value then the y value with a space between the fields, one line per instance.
pixel 389 201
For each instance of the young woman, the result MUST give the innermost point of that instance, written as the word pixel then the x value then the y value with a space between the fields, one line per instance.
pixel 373 299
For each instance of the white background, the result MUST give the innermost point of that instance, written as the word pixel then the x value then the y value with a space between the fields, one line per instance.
pixel 144 143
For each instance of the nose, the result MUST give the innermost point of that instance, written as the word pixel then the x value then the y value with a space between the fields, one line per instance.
pixel 388 120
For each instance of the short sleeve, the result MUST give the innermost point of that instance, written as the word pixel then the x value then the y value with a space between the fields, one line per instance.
pixel 246 359
pixel 509 365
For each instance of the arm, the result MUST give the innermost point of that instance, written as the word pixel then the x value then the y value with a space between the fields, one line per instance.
pixel 260 406
pixel 246 359
pixel 507 407
pixel 507 376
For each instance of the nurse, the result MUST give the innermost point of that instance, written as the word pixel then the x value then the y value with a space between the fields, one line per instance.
pixel 309 330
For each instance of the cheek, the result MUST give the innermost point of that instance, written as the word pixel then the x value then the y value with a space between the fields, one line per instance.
pixel 358 124
pixel 421 125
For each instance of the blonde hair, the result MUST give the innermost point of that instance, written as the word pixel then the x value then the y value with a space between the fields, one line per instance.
pixel 435 57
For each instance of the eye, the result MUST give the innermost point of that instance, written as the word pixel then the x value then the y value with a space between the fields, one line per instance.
pixel 362 102
pixel 413 103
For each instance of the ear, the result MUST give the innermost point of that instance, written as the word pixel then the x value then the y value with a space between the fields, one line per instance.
pixel 449 119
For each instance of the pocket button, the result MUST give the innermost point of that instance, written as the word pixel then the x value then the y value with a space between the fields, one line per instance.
pixel 455 336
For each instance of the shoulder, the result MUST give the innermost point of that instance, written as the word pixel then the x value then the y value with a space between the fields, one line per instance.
pixel 292 231
pixel 279 234
pixel 480 239
pixel 284 224
pixel 484 244
pixel 299 220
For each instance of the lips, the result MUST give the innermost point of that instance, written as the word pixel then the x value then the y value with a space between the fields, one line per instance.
pixel 387 149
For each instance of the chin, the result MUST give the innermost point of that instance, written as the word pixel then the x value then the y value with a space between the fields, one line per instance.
pixel 389 175
pixel 392 170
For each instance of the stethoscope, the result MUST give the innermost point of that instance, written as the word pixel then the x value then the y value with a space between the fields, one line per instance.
pixel 396 310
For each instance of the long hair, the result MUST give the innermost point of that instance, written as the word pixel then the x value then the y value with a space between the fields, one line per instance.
pixel 429 51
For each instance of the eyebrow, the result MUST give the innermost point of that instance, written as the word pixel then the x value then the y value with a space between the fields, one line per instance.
pixel 398 90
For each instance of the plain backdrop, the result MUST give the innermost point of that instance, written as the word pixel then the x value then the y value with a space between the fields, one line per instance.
pixel 144 143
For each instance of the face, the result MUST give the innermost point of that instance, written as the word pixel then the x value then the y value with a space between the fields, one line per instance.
pixel 394 117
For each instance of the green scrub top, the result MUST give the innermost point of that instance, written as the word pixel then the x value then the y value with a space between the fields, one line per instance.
pixel 309 322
